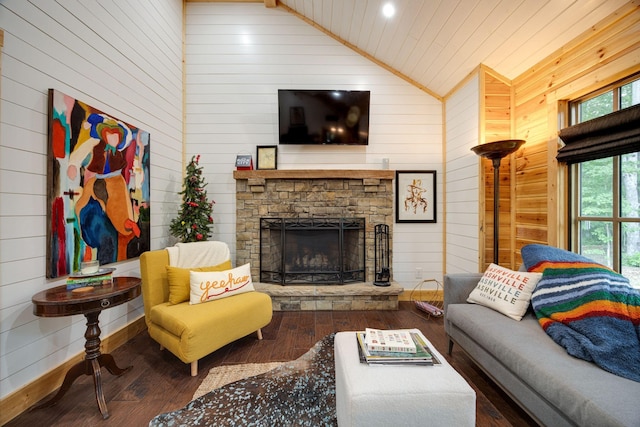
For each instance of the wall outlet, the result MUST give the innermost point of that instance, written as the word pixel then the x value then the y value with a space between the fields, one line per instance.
pixel 419 273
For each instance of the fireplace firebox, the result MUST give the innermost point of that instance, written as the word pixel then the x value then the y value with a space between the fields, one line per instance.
pixel 300 251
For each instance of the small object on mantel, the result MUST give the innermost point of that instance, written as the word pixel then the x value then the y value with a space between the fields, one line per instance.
pixel 244 162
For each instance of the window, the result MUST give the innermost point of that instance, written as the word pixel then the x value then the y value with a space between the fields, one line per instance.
pixel 605 206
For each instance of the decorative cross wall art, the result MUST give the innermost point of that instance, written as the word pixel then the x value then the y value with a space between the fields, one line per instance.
pixel 97 187
pixel 415 196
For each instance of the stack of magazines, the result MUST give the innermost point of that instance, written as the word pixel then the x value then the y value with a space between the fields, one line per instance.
pixel 394 347
pixel 101 278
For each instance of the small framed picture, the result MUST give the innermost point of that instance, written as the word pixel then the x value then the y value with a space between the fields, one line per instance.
pixel 267 157
pixel 416 196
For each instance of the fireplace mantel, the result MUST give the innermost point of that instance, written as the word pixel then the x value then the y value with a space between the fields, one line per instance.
pixel 315 174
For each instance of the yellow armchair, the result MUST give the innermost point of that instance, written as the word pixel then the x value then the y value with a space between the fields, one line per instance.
pixel 191 332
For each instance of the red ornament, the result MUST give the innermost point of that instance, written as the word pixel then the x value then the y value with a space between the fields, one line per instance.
pixel 199 236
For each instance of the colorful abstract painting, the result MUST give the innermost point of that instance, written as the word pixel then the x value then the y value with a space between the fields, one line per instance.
pixel 97 187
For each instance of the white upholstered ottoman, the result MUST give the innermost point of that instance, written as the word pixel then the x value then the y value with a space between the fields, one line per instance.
pixel 398 395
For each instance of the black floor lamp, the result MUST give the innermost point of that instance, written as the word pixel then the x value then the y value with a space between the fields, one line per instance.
pixel 495 151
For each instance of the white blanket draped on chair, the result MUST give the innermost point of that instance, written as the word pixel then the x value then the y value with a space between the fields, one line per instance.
pixel 198 254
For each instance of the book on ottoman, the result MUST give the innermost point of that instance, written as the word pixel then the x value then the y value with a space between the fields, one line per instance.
pixel 421 356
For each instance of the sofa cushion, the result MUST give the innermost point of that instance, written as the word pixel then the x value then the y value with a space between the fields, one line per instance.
pixel 213 285
pixel 505 290
pixel 577 388
pixel 179 284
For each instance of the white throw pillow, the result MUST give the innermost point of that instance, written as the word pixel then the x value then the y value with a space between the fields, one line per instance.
pixel 505 290
pixel 212 285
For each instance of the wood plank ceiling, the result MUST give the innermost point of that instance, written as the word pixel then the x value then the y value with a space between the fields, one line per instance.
pixel 437 43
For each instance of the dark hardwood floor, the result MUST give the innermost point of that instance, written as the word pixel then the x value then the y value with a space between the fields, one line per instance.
pixel 159 382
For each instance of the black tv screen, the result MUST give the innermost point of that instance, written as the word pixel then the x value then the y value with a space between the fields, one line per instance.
pixel 339 117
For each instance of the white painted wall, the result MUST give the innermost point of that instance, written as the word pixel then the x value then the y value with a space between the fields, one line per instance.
pixel 239 55
pixel 462 133
pixel 122 57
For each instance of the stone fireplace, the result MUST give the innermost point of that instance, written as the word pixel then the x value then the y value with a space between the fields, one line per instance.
pixel 310 195
pixel 303 251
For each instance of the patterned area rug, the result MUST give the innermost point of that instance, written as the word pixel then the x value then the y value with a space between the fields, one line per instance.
pixel 223 375
pixel 297 393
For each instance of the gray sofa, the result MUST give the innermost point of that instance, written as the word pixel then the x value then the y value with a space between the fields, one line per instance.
pixel 553 387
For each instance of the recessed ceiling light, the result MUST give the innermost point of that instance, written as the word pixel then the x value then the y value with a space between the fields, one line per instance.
pixel 388 10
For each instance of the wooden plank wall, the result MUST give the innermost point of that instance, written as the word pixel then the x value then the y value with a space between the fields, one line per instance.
pixel 604 54
pixel 495 122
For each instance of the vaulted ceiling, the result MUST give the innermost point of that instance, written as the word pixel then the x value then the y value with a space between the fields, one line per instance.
pixel 437 43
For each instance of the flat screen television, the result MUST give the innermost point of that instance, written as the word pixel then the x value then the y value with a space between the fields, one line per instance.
pixel 338 117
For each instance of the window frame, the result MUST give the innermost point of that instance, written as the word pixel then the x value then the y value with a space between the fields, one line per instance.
pixel 615 219
pixel 576 220
pixel 615 87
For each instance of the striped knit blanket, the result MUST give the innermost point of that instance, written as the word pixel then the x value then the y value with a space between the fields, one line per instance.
pixel 588 309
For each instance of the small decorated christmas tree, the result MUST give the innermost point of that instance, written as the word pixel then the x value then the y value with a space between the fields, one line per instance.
pixel 194 218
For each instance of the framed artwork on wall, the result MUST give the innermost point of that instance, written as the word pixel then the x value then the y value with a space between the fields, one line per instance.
pixel 98 189
pixel 416 196
pixel 267 157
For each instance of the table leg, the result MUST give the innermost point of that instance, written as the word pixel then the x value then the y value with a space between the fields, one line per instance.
pixel 91 365
pixel 97 383
pixel 108 362
pixel 77 370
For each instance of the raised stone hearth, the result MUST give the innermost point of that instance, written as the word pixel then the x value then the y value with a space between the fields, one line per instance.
pixel 355 296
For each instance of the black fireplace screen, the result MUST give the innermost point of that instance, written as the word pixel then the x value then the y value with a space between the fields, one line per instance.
pixel 298 251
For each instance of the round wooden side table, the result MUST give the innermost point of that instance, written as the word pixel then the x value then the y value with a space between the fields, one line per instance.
pixel 60 301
